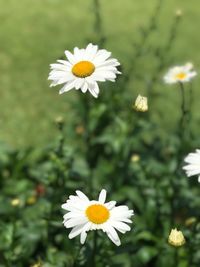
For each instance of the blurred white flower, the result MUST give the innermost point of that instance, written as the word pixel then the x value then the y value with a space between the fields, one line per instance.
pixel 15 202
pixel 180 74
pixel 193 164
pixel 84 215
pixel 179 13
pixel 176 238
pixel 83 69
pixel 141 103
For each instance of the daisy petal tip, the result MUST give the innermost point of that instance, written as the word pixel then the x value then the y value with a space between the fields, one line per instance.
pixel 102 196
pixel 117 243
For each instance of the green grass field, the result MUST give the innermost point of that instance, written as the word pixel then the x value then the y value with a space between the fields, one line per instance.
pixel 35 33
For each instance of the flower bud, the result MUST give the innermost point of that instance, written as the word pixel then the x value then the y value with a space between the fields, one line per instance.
pixel 179 13
pixel 31 200
pixel 80 129
pixel 176 238
pixel 135 158
pixel 15 202
pixel 141 104
pixel 190 221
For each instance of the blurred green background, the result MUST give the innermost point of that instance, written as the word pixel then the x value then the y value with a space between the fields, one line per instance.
pixel 35 33
pixel 100 143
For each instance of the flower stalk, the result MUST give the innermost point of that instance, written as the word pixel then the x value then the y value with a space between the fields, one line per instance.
pixel 184 113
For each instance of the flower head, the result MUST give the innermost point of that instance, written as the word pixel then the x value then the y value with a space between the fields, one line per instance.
pixel 83 69
pixel 193 164
pixel 31 200
pixel 180 74
pixel 135 158
pixel 141 103
pixel 85 215
pixel 179 13
pixel 15 202
pixel 176 238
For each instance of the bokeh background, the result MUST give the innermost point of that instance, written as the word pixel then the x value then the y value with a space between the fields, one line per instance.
pixel 35 33
pixel 52 145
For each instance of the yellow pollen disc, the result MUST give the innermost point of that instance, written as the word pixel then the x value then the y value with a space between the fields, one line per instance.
pixel 97 213
pixel 83 69
pixel 180 76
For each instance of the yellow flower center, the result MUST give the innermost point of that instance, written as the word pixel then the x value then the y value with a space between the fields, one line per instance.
pixel 180 76
pixel 83 69
pixel 97 213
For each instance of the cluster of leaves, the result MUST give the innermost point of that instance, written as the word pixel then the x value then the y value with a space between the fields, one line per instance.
pixel 120 151
pixel 108 145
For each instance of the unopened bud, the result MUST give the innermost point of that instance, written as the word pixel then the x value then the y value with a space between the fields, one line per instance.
pixel 141 104
pixel 176 238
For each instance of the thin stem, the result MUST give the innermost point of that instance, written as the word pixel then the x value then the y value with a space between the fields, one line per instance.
pixel 145 33
pixel 94 251
pixel 86 106
pixel 191 102
pixel 184 113
pixel 176 258
pixel 98 22
pixel 162 53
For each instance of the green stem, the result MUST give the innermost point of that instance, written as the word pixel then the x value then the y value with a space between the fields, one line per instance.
pixel 145 33
pixel 184 113
pixel 98 22
pixel 191 101
pixel 162 54
pixel 176 257
pixel 94 251
pixel 86 106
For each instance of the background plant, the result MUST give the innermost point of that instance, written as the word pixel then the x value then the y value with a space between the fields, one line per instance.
pixel 107 144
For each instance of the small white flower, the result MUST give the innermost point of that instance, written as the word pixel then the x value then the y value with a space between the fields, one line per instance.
pixel 193 164
pixel 179 13
pixel 180 74
pixel 83 69
pixel 141 103
pixel 84 215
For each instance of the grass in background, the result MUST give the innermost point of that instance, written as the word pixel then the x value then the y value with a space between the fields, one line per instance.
pixel 35 33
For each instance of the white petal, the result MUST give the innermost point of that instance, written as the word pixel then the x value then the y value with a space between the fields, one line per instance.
pixel 121 226
pixel 67 78
pixel 102 196
pixel 79 54
pixel 83 237
pixel 76 231
pixel 75 222
pixel 67 87
pixel 91 88
pixel 79 82
pixel 90 51
pixel 110 204
pixel 64 62
pixel 101 56
pixel 82 195
pixel 110 62
pixel 112 234
pixel 84 87
pixel 70 57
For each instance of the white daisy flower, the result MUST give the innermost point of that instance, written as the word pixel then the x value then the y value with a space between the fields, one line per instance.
pixel 180 74
pixel 83 69
pixel 84 215
pixel 193 164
